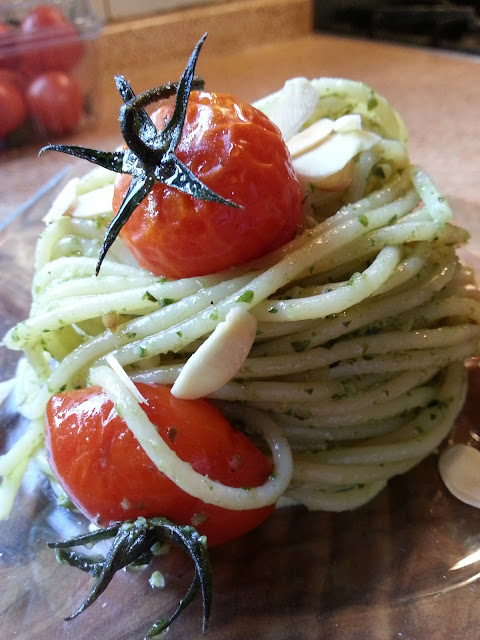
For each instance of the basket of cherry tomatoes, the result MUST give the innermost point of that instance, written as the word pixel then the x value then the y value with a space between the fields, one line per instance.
pixel 47 70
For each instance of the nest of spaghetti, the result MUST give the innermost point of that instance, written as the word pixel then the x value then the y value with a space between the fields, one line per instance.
pixel 364 320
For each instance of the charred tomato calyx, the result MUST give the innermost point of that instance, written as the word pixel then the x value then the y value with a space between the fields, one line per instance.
pixel 132 544
pixel 150 154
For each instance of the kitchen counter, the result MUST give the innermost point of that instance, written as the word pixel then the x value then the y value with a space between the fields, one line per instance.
pixel 436 92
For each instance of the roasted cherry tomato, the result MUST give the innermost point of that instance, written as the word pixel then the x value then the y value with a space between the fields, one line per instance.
pixel 55 101
pixel 239 153
pixel 13 109
pixel 49 41
pixel 107 474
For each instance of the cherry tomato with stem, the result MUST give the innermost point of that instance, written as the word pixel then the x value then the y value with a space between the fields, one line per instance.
pixel 49 41
pixel 237 152
pixel 55 101
pixel 109 477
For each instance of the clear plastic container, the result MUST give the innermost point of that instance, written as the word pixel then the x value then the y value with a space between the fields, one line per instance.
pixel 48 70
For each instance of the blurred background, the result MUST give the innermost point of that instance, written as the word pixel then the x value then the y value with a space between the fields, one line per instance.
pixel 453 25
pixel 57 63
pixel 111 10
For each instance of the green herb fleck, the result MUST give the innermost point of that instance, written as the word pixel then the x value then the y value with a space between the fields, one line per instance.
pixel 148 296
pixel 372 101
pixel 64 501
pixel 351 282
pixel 362 218
pixel 247 296
pixel 157 580
pixel 300 345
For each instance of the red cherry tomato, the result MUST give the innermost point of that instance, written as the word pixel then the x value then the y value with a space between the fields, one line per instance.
pixel 18 79
pixel 107 474
pixel 239 153
pixel 49 41
pixel 55 101
pixel 8 46
pixel 13 109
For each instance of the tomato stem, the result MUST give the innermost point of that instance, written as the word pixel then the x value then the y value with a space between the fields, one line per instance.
pixel 132 543
pixel 150 156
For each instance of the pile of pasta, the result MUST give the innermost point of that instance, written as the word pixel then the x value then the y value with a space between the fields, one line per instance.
pixel 365 319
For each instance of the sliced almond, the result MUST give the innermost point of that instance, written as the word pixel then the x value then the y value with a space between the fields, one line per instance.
pixel 332 155
pixel 348 122
pixel 94 203
pixel 95 178
pixel 219 358
pixel 290 107
pixel 310 137
pixel 459 467
pixel 340 180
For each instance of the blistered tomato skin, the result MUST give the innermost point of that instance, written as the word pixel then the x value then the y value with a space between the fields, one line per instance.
pixel 110 478
pixel 239 153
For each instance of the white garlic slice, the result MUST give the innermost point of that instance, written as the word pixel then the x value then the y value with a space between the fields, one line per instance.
pixel 332 155
pixel 459 467
pixel 219 358
pixel 290 107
